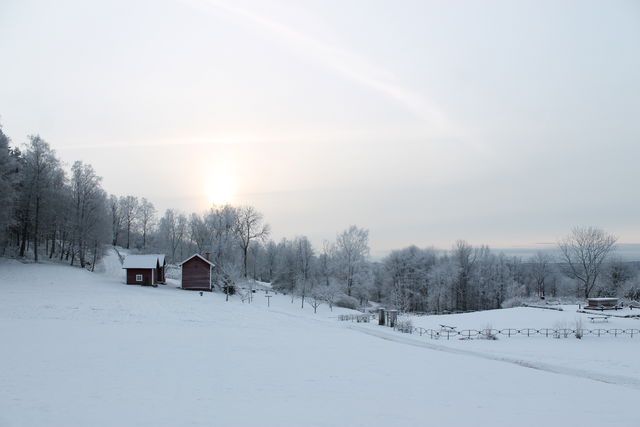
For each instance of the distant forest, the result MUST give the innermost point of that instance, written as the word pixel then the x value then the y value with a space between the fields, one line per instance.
pixel 48 212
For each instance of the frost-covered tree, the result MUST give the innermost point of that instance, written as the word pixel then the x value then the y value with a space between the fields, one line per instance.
pixel 221 224
pixel 173 227
pixel 408 270
pixel 352 251
pixel 464 256
pixel 443 278
pixel 285 276
pixel 90 223
pixel 304 263
pixel 7 188
pixel 270 260
pixel 116 218
pixel 40 170
pixel 199 233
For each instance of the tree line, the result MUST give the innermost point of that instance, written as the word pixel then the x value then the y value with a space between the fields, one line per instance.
pixel 48 211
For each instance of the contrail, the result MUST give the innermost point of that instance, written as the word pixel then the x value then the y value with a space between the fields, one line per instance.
pixel 341 61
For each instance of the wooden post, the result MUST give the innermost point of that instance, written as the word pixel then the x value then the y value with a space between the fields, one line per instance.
pixel 268 297
pixel 381 317
pixel 393 317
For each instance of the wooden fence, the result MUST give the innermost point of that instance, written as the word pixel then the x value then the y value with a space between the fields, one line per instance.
pixel 513 332
pixel 364 317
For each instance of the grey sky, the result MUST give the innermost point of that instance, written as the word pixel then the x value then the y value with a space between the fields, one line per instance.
pixel 503 123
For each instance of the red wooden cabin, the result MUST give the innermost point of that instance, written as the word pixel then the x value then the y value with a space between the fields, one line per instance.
pixel 145 269
pixel 196 273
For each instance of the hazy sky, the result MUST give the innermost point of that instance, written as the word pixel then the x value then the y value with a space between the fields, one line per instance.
pixel 498 122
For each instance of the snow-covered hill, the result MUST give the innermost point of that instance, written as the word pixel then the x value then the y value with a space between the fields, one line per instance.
pixel 80 349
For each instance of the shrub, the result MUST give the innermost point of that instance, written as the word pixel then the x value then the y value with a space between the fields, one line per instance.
pixel 513 302
pixel 346 301
pixel 405 326
pixel 579 331
pixel 561 330
pixel 487 333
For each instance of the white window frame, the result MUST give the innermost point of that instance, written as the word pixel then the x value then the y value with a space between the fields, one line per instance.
pixel 139 278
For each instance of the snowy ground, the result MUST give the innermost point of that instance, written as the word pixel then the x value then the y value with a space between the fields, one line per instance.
pixel 82 349
pixel 606 358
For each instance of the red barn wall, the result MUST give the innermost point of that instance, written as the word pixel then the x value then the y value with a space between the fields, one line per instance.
pixel 160 274
pixel 146 276
pixel 196 275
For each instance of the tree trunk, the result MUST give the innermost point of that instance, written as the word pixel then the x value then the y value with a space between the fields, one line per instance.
pixel 245 250
pixel 23 244
pixel 95 255
pixel 81 254
pixel 64 236
pixel 35 230
pixel 53 245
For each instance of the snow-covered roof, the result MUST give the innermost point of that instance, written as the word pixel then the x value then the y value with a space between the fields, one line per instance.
pixel 142 261
pixel 199 256
pixel 160 258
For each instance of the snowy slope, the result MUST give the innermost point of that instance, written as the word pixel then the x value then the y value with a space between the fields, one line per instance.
pixel 84 349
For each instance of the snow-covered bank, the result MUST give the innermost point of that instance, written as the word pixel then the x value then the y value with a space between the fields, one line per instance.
pixel 84 349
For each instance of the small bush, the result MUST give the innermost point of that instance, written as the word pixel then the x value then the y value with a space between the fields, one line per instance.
pixel 405 326
pixel 513 302
pixel 487 333
pixel 561 330
pixel 579 328
pixel 346 301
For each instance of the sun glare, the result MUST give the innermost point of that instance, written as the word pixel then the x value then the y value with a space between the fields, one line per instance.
pixel 220 190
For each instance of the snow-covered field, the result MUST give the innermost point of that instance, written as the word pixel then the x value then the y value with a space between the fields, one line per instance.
pixel 607 358
pixel 83 349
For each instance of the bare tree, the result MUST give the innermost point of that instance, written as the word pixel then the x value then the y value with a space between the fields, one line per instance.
pixel 584 251
pixel 129 210
pixel 328 293
pixel 147 217
pixel 540 271
pixel 316 301
pixel 116 218
pixel 249 227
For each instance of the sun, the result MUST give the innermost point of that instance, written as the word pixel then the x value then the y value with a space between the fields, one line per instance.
pixel 220 190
